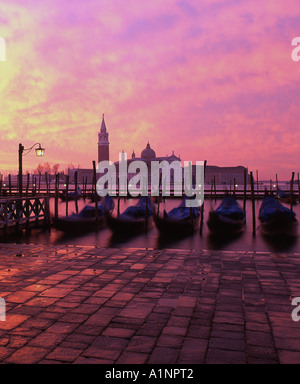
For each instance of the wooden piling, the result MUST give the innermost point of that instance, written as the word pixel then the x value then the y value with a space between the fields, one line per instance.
pixel 47 183
pixel 67 194
pixel 292 189
pixel 158 198
pixel 56 197
pixel 257 184
pixel 85 187
pixel 27 185
pixel 39 182
pixel 215 189
pixel 234 181
pixel 147 212
pixel 34 186
pixel 76 191
pixel 119 198
pixel 298 188
pixel 9 184
pixel 202 206
pixel 96 194
pixel 245 190
pixel 253 205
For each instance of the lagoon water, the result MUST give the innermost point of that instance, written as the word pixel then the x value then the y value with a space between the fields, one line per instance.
pixel 152 240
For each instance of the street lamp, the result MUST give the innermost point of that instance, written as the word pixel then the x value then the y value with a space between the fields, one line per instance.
pixel 24 151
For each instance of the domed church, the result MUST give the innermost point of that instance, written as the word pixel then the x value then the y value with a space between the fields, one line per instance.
pixel 221 175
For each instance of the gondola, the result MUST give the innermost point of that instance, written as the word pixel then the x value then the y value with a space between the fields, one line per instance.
pixel 85 220
pixel 286 197
pixel 135 219
pixel 182 220
pixel 276 219
pixel 228 219
pixel 64 196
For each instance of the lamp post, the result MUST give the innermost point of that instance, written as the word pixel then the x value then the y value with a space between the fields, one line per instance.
pixel 24 151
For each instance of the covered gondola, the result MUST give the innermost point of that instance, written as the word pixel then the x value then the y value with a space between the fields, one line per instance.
pixel 228 219
pixel 181 220
pixel 276 219
pixel 85 220
pixel 135 219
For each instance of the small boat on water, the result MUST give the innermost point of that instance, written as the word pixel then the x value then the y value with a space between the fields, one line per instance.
pixel 286 197
pixel 228 219
pixel 135 219
pixel 64 196
pixel 85 220
pixel 276 219
pixel 181 220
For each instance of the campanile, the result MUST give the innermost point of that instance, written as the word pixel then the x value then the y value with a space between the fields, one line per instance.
pixel 103 143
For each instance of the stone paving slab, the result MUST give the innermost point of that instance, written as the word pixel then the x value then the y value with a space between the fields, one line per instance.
pixel 78 304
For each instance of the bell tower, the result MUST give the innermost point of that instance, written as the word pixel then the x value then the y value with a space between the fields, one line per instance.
pixel 103 143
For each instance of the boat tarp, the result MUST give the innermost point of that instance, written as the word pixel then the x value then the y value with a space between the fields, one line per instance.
pixel 230 208
pixel 90 210
pixel 182 212
pixel 271 207
pixel 139 210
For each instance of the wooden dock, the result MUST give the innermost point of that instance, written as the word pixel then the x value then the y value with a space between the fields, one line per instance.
pixel 18 213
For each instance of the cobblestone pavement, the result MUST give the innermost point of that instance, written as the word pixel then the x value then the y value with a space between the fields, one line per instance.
pixel 73 304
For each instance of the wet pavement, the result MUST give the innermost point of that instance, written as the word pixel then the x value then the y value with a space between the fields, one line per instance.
pixel 89 305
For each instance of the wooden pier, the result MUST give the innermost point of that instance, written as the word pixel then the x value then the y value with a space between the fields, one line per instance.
pixel 18 213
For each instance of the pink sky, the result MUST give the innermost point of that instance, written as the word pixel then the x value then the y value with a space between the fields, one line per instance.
pixel 212 80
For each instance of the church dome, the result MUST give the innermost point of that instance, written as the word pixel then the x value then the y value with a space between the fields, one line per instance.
pixel 148 153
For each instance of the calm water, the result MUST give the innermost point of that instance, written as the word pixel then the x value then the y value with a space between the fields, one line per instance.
pixel 105 238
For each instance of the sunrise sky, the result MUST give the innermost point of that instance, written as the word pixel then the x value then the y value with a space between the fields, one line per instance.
pixel 209 79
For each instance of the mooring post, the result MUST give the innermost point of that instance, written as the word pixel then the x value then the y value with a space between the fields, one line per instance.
pixel 298 188
pixel 202 206
pixel 257 184
pixel 245 190
pixel 76 191
pixel 292 189
pixel 253 205
pixel 9 184
pixel 39 182
pixel 67 195
pixel 96 194
pixel 46 179
pixel 56 197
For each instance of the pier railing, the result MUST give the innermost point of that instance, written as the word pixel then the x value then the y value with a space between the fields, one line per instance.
pixel 23 212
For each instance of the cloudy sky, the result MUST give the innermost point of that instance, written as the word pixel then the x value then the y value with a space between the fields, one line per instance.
pixel 209 79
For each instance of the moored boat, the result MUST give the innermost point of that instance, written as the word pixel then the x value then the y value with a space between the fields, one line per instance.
pixel 135 219
pixel 276 219
pixel 286 197
pixel 228 219
pixel 70 195
pixel 85 220
pixel 181 220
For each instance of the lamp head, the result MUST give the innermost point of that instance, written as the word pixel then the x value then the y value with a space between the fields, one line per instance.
pixel 39 151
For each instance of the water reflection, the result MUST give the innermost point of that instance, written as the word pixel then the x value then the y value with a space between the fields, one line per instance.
pixel 280 243
pixel 221 242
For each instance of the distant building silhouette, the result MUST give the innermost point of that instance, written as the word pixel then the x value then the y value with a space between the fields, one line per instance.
pixel 103 143
pixel 221 175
